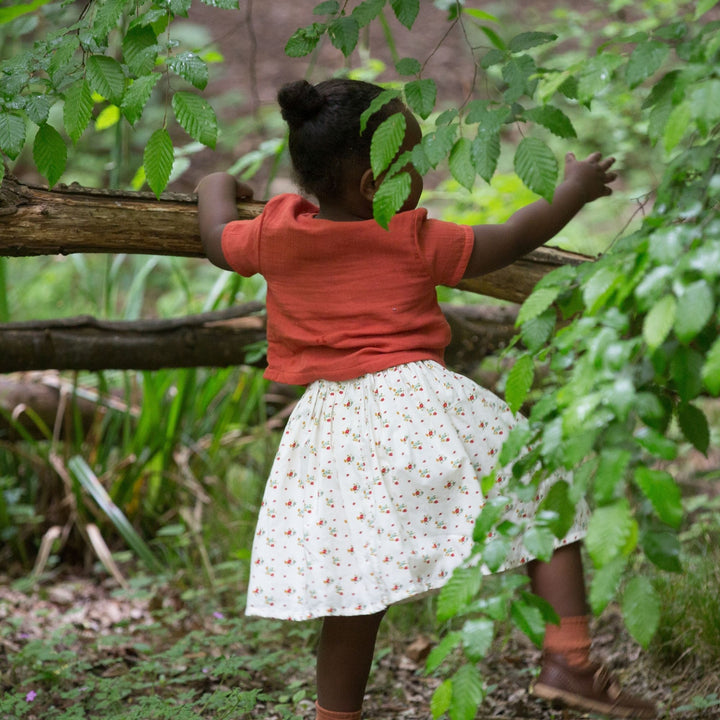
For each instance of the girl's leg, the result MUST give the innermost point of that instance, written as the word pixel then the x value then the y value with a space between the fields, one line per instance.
pixel 344 658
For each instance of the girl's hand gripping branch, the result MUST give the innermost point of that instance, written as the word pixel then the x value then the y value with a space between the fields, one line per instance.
pixel 218 194
pixel 499 245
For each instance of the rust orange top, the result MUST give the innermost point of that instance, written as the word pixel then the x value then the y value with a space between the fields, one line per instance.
pixel 348 298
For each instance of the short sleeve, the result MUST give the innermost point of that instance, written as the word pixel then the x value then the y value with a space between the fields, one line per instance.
pixel 445 248
pixel 241 245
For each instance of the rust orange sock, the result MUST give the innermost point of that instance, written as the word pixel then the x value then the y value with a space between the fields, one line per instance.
pixel 323 714
pixel 571 639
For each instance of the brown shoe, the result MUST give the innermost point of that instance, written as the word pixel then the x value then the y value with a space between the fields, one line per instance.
pixel 589 687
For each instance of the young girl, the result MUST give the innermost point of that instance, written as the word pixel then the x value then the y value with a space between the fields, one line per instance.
pixel 375 486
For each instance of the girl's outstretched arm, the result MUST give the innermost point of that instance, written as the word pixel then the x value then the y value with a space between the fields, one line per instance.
pixel 218 194
pixel 499 245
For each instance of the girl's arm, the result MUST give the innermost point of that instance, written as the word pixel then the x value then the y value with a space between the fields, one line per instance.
pixel 499 245
pixel 217 206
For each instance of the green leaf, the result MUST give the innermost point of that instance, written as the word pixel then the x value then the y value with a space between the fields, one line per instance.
pixel 694 426
pixel 540 542
pixel 190 67
pixel 495 553
pixel 49 153
pixel 494 38
pixel 61 59
pixel 304 40
pixel 612 532
pixel 140 50
pixel 458 592
pixel 158 160
pixel 420 96
pixel 519 381
pixel 686 371
pixel 605 583
pixel 660 488
pixel 437 145
pixel 12 134
pixel 77 109
pixel 711 369
pixel 109 116
pixel 678 123
pixel 442 650
pixel 656 443
pixel 486 153
pixel 477 637
pixel 461 164
pixel 137 95
pixel 527 40
pixel 196 117
pixel 659 321
pixel 223 4
pixel 105 77
pixel 406 11
pixel 7 14
pixel 520 73
pixel 610 474
pixel 537 167
pixel 468 692
pixel 645 60
pixel 596 74
pixel 107 17
pixel 38 107
pixel 408 66
pixel 537 303
pixel 344 34
pixel 529 620
pixel 330 7
pixel 557 510
pixel 390 197
pixel 386 142
pixel 641 609
pixel 493 509
pixel 378 102
pixel 367 11
pixel 554 119
pixel 704 6
pixel 441 699
pixel 662 548
pixel 695 307
pixel 515 444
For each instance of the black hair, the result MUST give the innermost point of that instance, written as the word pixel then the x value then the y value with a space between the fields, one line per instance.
pixel 324 122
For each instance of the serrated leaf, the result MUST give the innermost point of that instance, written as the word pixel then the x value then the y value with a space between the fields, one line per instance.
pixel 158 160
pixel 408 66
pixel 610 474
pixel 557 509
pixel 600 286
pixel 694 426
pixel 611 533
pixel 536 332
pixel 77 109
pixel 437 145
pixel 406 11
pixel 605 584
pixel 516 442
pixel 485 154
pixel 196 117
pixel 107 118
pixel 49 153
pixel 656 443
pixel 344 34
pixel 527 40
pixel 659 321
pixel 107 17
pixel 660 488
pixel 390 197
pixel 442 650
pixel 38 107
pixel 540 542
pixel 477 637
pixel 554 119
pixel 461 163
pixel 304 40
pixel 377 102
pixel 644 61
pixel 223 4
pixel 468 692
pixel 62 55
pixel 695 307
pixel 491 512
pixel 686 369
pixel 711 369
pixel 140 49
pixel 641 609
pixel 137 95
pixel 677 125
pixel 12 134
pixel 537 303
pixel 367 11
pixel 386 142
pixel 330 7
pixel 519 381
pixel 704 6
pixel 529 620
pixel 494 38
pixel 596 74
pixel 536 165
pixel 520 73
pixel 662 548
pixel 190 67
pixel 105 76
pixel 420 96
pixel 441 699
pixel 457 592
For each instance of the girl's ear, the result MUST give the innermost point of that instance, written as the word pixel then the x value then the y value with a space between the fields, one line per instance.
pixel 368 186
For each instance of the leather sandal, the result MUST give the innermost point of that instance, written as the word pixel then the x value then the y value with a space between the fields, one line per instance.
pixel 588 687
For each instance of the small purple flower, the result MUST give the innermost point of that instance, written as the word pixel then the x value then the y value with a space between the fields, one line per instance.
pixel 30 696
pixel 218 615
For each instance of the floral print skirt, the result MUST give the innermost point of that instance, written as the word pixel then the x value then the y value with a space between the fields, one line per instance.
pixel 374 492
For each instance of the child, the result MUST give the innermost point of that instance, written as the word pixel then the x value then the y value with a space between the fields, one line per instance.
pixel 374 489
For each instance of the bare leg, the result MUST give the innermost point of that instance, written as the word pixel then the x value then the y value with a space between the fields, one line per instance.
pixel 344 658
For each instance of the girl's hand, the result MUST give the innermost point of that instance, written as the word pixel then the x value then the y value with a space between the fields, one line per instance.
pixel 592 174
pixel 243 192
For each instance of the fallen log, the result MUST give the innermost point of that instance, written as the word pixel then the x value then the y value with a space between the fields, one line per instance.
pixel 73 219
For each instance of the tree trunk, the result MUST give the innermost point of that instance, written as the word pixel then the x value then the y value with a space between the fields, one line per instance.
pixel 37 221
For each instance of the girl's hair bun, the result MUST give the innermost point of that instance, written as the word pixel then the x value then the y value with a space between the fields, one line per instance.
pixel 299 101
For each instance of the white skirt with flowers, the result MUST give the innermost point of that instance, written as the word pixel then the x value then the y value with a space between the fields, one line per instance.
pixel 374 492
